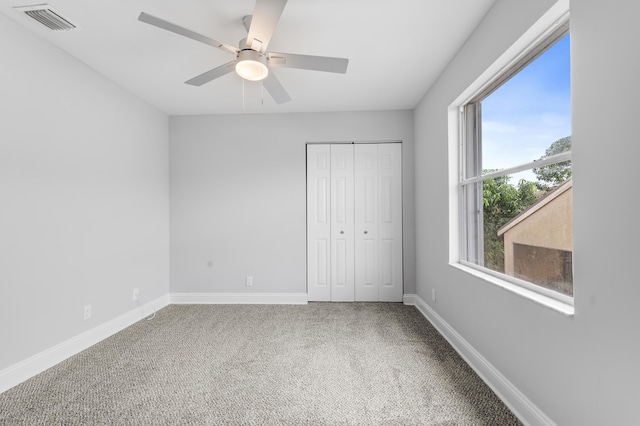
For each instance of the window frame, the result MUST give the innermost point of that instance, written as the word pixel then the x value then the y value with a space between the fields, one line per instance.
pixel 470 172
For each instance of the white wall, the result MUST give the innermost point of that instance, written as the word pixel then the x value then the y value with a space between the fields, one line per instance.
pixel 238 196
pixel 580 370
pixel 84 197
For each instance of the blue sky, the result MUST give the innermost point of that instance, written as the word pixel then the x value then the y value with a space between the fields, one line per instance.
pixel 529 112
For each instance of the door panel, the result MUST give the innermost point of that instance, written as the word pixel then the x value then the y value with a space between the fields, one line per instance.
pixel 322 262
pixel 340 265
pixel 318 224
pixel 368 188
pixel 386 263
pixel 390 226
pixel 367 274
pixel 370 267
pixel 340 201
pixel 386 200
pixel 342 247
pixel 322 199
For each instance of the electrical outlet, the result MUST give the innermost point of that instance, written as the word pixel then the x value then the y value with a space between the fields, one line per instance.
pixel 433 294
pixel 249 280
pixel 87 312
pixel 136 294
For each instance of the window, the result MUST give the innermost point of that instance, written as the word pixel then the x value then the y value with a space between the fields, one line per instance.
pixel 515 174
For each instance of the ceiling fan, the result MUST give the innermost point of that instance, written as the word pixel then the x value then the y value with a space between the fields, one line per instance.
pixel 252 61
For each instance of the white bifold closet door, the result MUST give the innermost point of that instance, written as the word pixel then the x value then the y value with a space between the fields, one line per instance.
pixel 354 222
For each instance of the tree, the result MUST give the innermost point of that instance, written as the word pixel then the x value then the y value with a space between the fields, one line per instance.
pixel 502 201
pixel 554 174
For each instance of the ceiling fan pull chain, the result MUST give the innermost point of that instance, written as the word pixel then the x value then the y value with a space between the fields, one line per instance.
pixel 243 96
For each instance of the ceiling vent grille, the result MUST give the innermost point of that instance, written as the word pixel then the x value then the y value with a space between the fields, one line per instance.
pixel 48 17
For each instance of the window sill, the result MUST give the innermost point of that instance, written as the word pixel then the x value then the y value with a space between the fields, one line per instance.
pixel 549 302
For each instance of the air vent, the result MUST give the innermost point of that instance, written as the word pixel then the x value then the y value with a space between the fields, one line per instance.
pixel 48 17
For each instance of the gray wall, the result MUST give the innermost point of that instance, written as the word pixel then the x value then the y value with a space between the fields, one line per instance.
pixel 84 197
pixel 84 216
pixel 580 370
pixel 238 196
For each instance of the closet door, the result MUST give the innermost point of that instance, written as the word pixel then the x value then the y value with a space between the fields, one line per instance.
pixel 318 222
pixel 330 247
pixel 366 223
pixel 342 224
pixel 390 222
pixel 354 222
pixel 378 222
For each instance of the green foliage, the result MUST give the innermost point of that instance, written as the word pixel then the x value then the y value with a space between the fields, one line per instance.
pixel 554 174
pixel 502 202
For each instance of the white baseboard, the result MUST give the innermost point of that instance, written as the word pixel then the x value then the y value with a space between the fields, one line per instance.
pixel 239 298
pixel 518 403
pixel 23 370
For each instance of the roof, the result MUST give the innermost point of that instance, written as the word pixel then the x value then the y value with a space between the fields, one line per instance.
pixel 550 196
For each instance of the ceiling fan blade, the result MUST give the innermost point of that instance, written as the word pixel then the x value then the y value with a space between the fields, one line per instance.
pixel 263 23
pixel 213 74
pixel 165 25
pixel 275 89
pixel 307 62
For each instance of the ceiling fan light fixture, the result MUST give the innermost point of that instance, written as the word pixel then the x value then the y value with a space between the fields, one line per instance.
pixel 251 65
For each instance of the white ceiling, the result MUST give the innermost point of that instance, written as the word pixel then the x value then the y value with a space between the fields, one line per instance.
pixel 396 49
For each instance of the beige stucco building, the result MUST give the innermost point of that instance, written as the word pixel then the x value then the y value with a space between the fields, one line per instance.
pixel 538 243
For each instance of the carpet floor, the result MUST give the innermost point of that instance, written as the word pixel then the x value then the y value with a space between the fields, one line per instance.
pixel 315 364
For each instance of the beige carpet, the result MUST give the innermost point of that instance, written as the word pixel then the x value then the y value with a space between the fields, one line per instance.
pixel 316 364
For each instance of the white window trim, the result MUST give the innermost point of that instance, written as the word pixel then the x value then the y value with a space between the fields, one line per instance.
pixel 563 306
pixel 550 22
